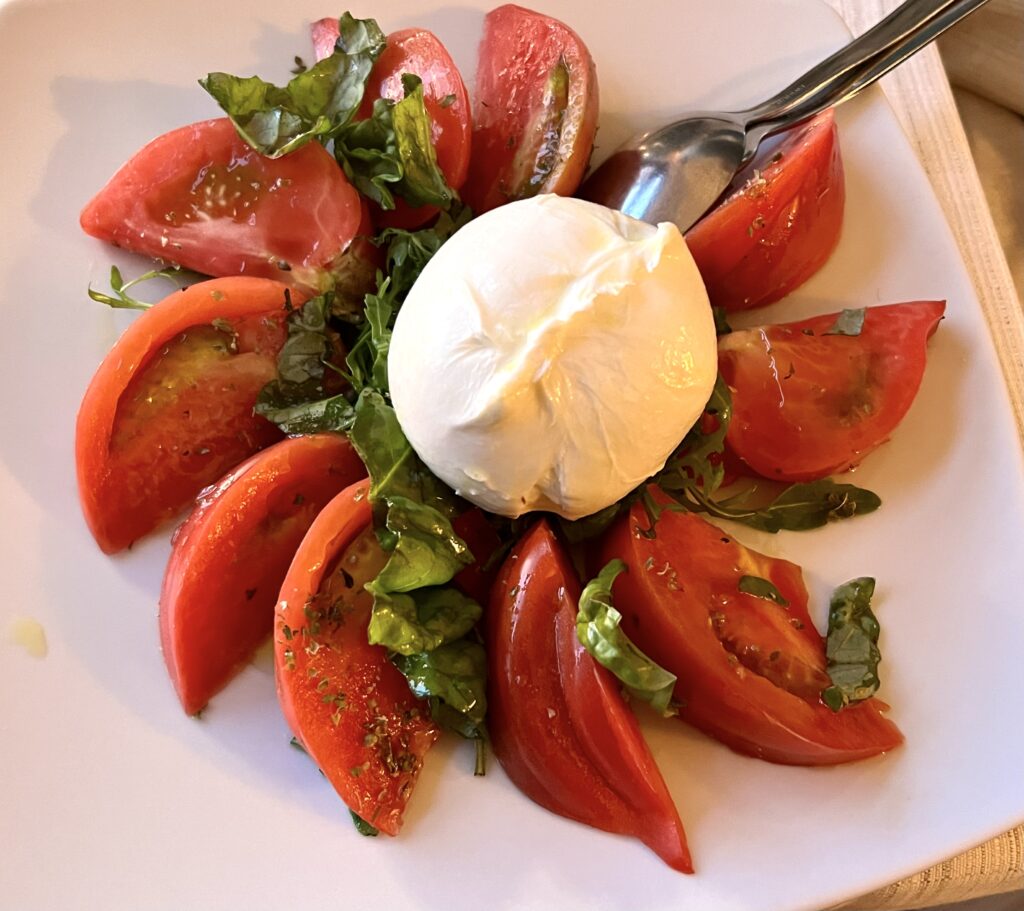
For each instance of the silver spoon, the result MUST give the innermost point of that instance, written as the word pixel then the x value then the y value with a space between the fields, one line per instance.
pixel 677 172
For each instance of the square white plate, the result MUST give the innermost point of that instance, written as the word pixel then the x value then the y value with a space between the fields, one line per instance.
pixel 113 799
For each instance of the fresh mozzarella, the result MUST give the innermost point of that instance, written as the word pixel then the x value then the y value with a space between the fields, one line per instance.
pixel 552 355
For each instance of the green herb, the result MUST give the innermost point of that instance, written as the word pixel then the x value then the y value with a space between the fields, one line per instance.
pixel 421 620
pixel 363 827
pixel 852 645
pixel 696 471
pixel 121 300
pixel 849 322
pixel 761 588
pixel 597 626
pixel 297 744
pixel 392 152
pixel 316 104
pixel 447 101
pixel 453 677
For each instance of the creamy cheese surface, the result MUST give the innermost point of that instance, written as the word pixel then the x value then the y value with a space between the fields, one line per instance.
pixel 552 355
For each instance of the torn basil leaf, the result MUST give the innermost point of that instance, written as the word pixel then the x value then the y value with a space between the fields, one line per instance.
pixel 316 104
pixel 598 629
pixel 852 645
pixel 849 322
pixel 762 588
pixel 455 674
pixel 421 620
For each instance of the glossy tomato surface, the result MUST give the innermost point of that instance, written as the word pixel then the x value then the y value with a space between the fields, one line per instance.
pixel 170 409
pixel 343 699
pixel 200 197
pixel 779 222
pixel 231 555
pixel 535 107
pixel 809 402
pixel 416 51
pixel 749 670
pixel 557 719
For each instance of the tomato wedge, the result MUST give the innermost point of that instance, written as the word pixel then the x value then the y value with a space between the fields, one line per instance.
pixel 558 723
pixel 808 404
pixel 535 107
pixel 200 197
pixel 345 702
pixel 170 409
pixel 476 580
pixel 750 670
pixel 780 220
pixel 416 51
pixel 231 555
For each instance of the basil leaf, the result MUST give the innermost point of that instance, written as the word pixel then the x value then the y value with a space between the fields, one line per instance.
pixel 761 588
pixel 597 627
pixel 331 414
pixel 362 826
pixel 424 549
pixel 316 104
pixel 852 645
pixel 849 322
pixel 423 183
pixel 456 674
pixel 367 151
pixel 420 620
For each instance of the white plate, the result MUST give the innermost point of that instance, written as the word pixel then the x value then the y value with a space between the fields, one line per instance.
pixel 112 798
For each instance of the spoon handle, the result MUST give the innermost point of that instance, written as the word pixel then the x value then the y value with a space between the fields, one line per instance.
pixel 912 26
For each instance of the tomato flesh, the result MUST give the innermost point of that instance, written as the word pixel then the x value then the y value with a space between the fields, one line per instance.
pixel 231 555
pixel 200 197
pixel 535 108
pixel 808 404
pixel 343 699
pixel 748 669
pixel 558 722
pixel 779 222
pixel 170 409
pixel 416 51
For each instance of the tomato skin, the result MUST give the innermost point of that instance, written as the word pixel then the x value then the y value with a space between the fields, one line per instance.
pixel 681 604
pixel 140 463
pixel 558 723
pixel 519 53
pixel 231 555
pixel 200 197
pixel 779 225
pixel 420 52
pixel 476 580
pixel 371 739
pixel 807 404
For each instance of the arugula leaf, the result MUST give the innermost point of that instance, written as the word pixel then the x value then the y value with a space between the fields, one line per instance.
pixel 696 471
pixel 761 588
pixel 722 326
pixel 121 300
pixel 849 322
pixel 362 826
pixel 597 627
pixel 316 103
pixel 852 645
pixel 798 508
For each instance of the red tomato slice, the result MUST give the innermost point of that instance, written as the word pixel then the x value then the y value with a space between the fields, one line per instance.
pixel 345 702
pixel 534 112
pixel 780 220
pixel 558 722
pixel 807 404
pixel 416 51
pixel 170 409
pixel 750 671
pixel 200 197
pixel 231 555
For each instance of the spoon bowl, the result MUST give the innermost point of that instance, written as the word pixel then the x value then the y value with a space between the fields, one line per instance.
pixel 677 172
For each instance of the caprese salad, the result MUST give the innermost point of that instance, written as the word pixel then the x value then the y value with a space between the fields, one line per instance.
pixel 457 441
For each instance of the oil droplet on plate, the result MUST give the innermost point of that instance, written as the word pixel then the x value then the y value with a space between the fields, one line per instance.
pixel 29 634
